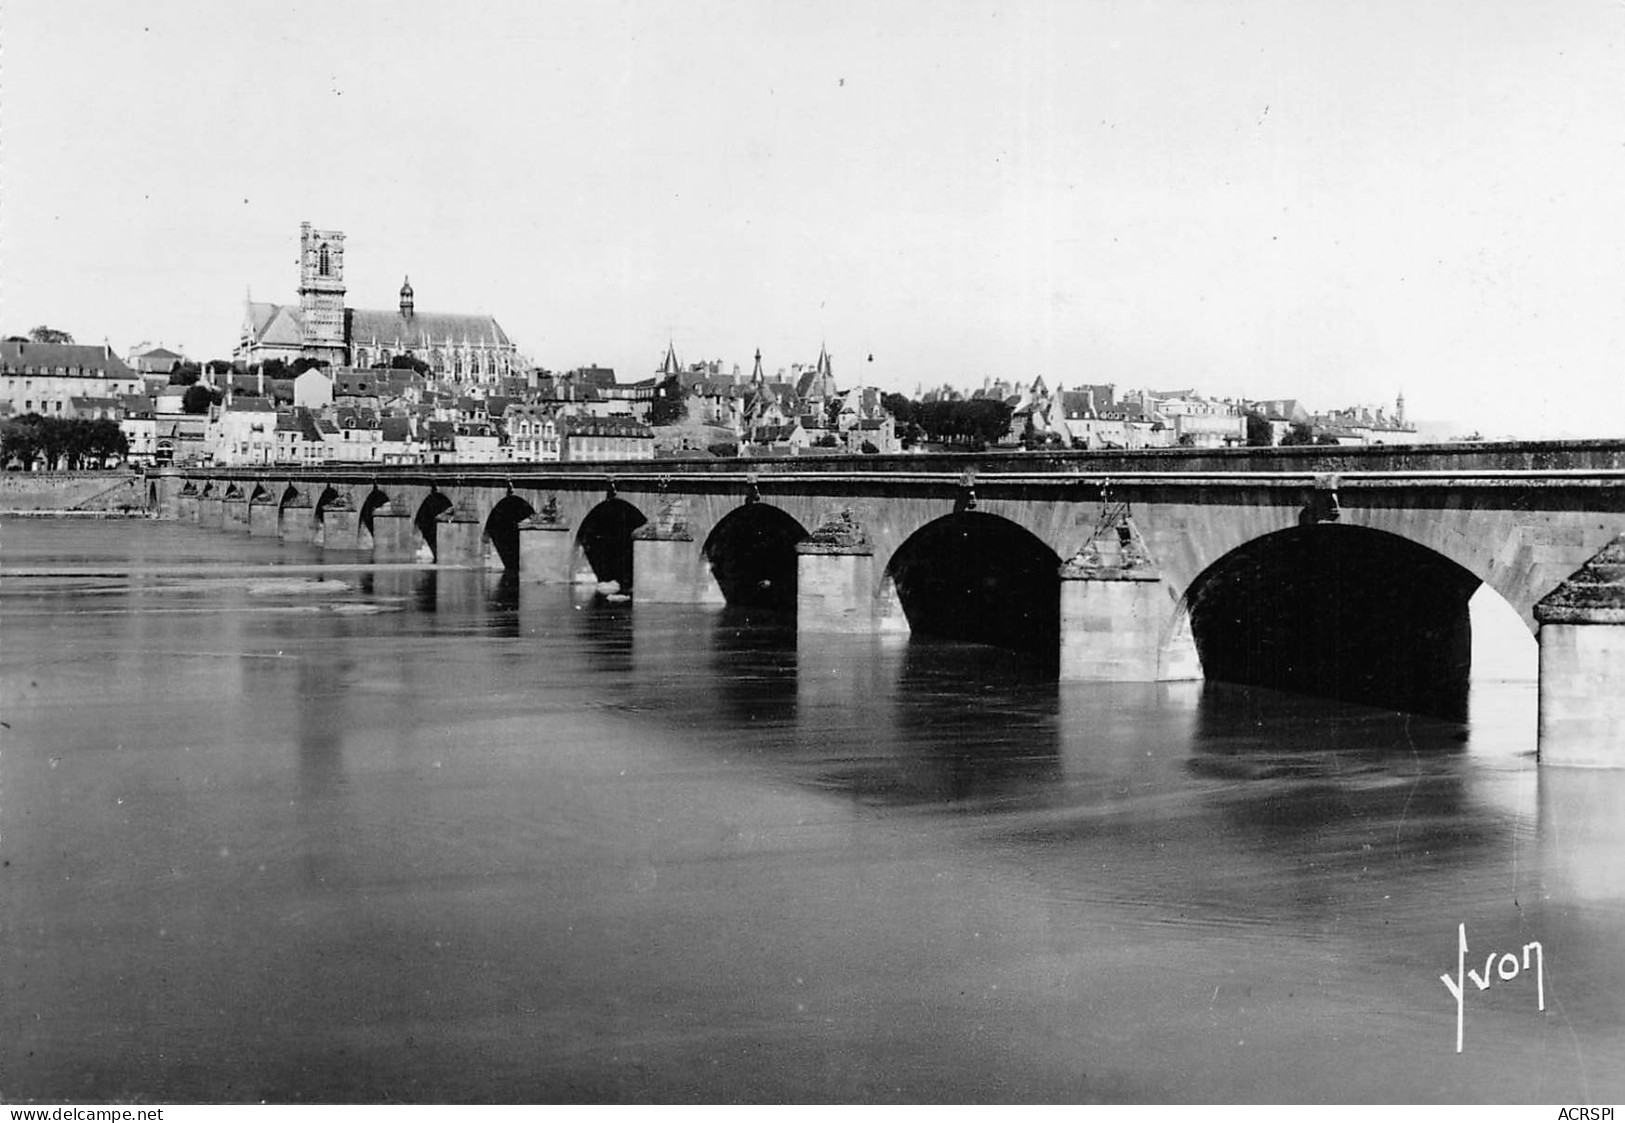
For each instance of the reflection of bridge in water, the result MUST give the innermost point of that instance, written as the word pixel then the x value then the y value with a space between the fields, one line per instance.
pixel 1340 572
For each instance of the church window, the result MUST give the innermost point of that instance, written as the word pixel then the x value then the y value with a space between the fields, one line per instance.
pixel 325 263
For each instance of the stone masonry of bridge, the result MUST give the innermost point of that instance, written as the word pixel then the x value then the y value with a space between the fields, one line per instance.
pixel 1134 540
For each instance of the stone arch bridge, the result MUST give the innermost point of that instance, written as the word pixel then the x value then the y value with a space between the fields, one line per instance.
pixel 1342 572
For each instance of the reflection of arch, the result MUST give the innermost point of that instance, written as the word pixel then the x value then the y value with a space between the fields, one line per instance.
pixel 752 554
pixel 152 496
pixel 502 529
pixel 1339 611
pixel 979 577
pixel 753 664
pixel 369 506
pixel 424 522
pixel 604 540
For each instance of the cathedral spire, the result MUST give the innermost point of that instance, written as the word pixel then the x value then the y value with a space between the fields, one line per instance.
pixel 756 378
pixel 669 366
pixel 825 381
pixel 406 299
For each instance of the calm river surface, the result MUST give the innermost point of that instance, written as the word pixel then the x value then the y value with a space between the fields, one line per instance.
pixel 279 827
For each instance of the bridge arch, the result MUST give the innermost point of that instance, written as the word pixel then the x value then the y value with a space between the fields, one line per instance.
pixel 329 495
pixel 502 529
pixel 752 555
pixel 375 499
pixel 289 495
pixel 979 577
pixel 1339 611
pixel 603 546
pixel 426 521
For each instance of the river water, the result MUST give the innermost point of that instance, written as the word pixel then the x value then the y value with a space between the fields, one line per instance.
pixel 282 828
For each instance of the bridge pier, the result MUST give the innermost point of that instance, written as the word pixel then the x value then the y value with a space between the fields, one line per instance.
pixel 545 550
pixel 235 514
pixel 297 522
pixel 1114 611
pixel 341 528
pixel 262 517
pixel 840 587
pixel 835 591
pixel 1582 664
pixel 669 569
pixel 1110 629
pixel 186 504
pixel 1582 695
pixel 459 538
pixel 393 535
pixel 211 512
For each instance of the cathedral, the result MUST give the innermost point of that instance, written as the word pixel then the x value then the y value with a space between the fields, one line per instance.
pixel 457 347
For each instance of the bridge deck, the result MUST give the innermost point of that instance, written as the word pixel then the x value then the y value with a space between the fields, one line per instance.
pixel 1565 462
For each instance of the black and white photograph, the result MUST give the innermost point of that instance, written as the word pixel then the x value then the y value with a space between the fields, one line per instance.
pixel 810 552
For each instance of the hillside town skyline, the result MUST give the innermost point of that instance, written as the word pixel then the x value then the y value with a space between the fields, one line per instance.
pixel 319 380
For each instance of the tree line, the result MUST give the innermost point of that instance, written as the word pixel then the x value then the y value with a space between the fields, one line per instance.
pixel 972 422
pixel 61 442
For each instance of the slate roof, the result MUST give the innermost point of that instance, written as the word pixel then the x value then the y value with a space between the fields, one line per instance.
pixel 604 427
pixel 772 434
pixel 364 326
pixel 1079 403
pixel 277 324
pixel 86 403
pixel 283 325
pixel 717 388
pixel 396 428
pixel 97 361
pixel 595 376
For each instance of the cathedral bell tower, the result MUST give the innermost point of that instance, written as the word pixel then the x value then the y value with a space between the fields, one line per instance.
pixel 321 293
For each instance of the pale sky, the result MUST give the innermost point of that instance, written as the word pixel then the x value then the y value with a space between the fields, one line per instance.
pixel 1329 201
